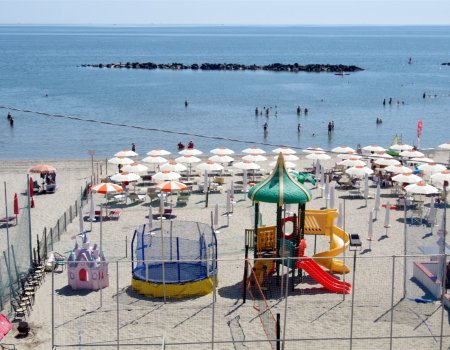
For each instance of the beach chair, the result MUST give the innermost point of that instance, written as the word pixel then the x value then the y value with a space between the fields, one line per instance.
pixel 152 194
pixel 115 214
pixel 182 199
pixel 36 186
pixel 136 197
pixel 50 188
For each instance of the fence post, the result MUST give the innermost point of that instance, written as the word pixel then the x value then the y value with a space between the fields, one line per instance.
pixel 213 311
pixel 392 302
pixel 65 221
pixel 53 309
pixel 244 291
pixel 353 299
pixel 51 238
pixel 126 246
pixel 278 330
pixel 117 305
pixel 45 242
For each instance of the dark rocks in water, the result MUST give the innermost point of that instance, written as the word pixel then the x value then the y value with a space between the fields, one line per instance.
pixel 274 67
pixel 446 64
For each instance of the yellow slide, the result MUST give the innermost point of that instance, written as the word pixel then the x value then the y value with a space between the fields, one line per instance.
pixel 339 242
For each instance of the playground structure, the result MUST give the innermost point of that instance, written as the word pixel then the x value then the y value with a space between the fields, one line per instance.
pixel 274 242
pixel 87 267
pixel 176 260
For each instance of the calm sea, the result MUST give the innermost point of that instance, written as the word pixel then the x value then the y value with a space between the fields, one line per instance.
pixel 38 60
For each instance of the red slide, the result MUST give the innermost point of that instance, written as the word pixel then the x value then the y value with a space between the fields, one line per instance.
pixel 324 278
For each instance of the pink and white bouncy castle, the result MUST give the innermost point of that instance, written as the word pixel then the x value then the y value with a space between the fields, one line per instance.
pixel 87 267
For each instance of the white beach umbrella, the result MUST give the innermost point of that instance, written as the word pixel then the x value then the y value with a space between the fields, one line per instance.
pixel 92 210
pixel 411 154
pixel 432 168
pixel 135 168
pixel 373 148
pixel 173 166
pixel 421 188
pixel 398 169
pixel 154 160
pixel 387 217
pixel 210 166
pixel 246 165
pixel 222 150
pixel 288 165
pixel 445 146
pixel 221 158
pixel 380 155
pixel 120 160
pixel 150 218
pixel 288 157
pixel 348 155
pixel 126 153
pixel 318 156
pixel 254 158
pixel 401 147
pixel 125 176
pixel 387 161
pixel 370 228
pixel 352 162
pixel 441 177
pixel 205 182
pixel 232 190
pixel 332 196
pixel 327 190
pixel 366 187
pixel 376 206
pixel 190 152
pixel 422 160
pixel 313 149
pixel 253 150
pixel 343 149
pixel 216 215
pixel 359 171
pixel 187 159
pixel 81 220
pixel 408 178
pixel 158 152
pixel 432 214
pixel 322 178
pixel 284 150
pixel 340 216
pixel 166 175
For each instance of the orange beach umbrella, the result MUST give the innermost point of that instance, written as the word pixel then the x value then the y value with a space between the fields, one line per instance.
pixel 42 169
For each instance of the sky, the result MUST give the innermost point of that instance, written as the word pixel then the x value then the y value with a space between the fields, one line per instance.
pixel 226 12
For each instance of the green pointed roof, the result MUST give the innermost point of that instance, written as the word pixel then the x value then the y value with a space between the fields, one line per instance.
pixel 280 187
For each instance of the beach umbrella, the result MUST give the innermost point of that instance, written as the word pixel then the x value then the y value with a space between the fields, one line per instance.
pixel 284 150
pixel 120 161
pixel 387 162
pixel 171 186
pixel 370 228
pixel 232 190
pixel 401 147
pixel 422 160
pixel 431 168
pixel 188 159
pixel 352 162
pixel 376 206
pixel 221 158
pixel 216 215
pixel 166 175
pixel 445 146
pixel 150 218
pixel 359 171
pixel 340 216
pixel 16 206
pixel 380 155
pixel 411 154
pixel 442 233
pixel 387 217
pixel 398 169
pixel 373 148
pixel 80 215
pixel 173 166
pixel 205 183
pixel 408 178
pixel 42 169
pixel 135 168
pixel 441 177
pixel 432 214
pixel 32 202
pixel 313 149
pixel 289 165
pixel 228 208
pixel 31 187
pixel 210 166
pixel 125 176
pixel 126 153
pixel 421 188
pixel 190 152
pixel 222 150
pixel 158 152
pixel 154 160
pixel 254 157
pixel 318 156
pixel 246 165
pixel 343 149
pixel 327 190
pixel 332 197
pixel 348 155
pixel 106 188
pixel 288 157
pixel 366 187
pixel 253 150
pixel 92 210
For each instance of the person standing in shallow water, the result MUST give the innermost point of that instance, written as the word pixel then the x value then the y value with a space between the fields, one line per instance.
pixel 186 103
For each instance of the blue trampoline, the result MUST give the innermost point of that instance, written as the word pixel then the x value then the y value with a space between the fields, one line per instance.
pixel 180 262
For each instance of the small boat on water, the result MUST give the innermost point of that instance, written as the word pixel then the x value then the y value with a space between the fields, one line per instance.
pixel 341 73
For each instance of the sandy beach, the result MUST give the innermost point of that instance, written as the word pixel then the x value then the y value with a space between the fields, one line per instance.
pixel 311 317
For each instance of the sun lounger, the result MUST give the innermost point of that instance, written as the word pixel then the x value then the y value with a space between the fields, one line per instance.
pixel 136 197
pixel 7 221
pixel 114 214
pixel 50 188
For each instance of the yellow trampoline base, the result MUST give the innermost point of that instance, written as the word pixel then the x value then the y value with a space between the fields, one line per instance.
pixel 185 290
